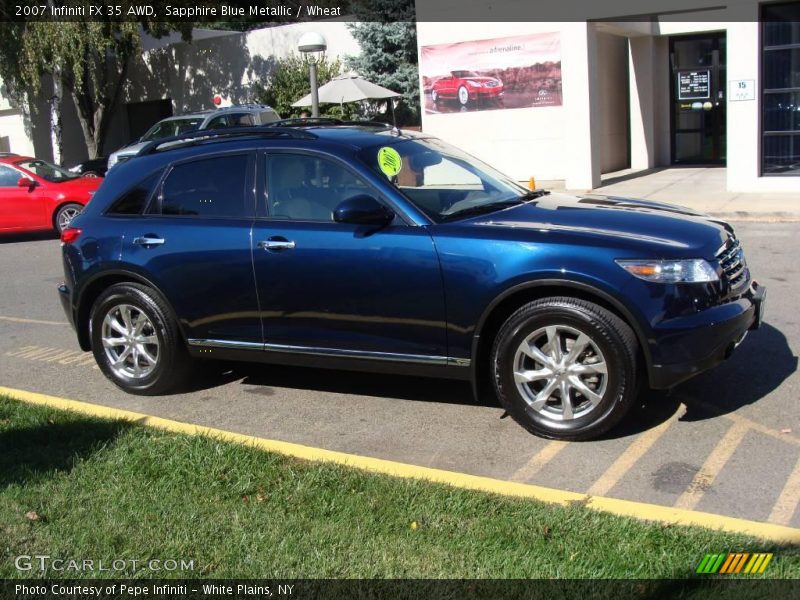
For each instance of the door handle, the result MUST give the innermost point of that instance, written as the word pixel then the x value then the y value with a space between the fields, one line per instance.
pixel 276 244
pixel 146 240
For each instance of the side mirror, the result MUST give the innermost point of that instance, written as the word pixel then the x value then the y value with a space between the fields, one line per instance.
pixel 24 182
pixel 363 210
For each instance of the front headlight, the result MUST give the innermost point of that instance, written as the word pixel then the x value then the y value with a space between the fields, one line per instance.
pixel 694 270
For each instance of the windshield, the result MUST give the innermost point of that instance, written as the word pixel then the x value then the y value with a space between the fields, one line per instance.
pixel 442 181
pixel 462 74
pixel 46 171
pixel 172 127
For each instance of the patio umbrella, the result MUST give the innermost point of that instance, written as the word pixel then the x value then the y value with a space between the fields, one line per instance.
pixel 348 88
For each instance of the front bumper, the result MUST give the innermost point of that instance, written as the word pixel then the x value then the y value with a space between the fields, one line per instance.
pixel 705 340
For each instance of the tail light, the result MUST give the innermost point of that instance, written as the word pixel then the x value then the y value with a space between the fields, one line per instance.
pixel 70 234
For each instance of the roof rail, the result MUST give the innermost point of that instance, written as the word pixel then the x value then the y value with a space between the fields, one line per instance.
pixel 205 135
pixel 311 121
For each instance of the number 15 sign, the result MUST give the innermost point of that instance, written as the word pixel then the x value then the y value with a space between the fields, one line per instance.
pixel 744 89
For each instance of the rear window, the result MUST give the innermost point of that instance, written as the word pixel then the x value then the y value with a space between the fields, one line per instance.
pixel 134 201
pixel 210 187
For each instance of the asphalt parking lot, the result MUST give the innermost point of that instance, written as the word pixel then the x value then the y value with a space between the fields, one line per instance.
pixel 726 442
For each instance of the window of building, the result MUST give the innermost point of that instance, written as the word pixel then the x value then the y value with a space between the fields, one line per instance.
pixel 212 187
pixel 780 76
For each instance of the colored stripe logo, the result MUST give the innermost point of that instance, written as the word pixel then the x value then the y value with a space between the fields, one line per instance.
pixel 733 563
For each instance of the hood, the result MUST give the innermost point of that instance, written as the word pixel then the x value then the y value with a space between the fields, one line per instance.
pixel 128 150
pixel 659 229
pixel 84 183
pixel 480 79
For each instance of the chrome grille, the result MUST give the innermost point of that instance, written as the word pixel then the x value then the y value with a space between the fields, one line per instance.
pixel 731 259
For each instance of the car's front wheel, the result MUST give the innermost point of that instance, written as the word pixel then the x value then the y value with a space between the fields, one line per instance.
pixel 65 214
pixel 434 96
pixel 565 368
pixel 136 342
pixel 463 95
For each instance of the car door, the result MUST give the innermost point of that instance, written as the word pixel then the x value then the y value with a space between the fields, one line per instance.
pixel 20 207
pixel 194 243
pixel 328 287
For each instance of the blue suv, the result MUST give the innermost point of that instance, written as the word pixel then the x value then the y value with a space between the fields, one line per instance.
pixel 360 246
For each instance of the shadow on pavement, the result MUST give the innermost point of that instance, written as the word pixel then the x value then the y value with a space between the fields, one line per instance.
pixel 759 366
pixel 31 452
pixel 36 236
pixel 359 383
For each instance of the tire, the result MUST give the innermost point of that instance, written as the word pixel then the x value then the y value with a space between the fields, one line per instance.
pixel 91 174
pixel 64 215
pixel 605 369
pixel 463 95
pixel 434 96
pixel 151 367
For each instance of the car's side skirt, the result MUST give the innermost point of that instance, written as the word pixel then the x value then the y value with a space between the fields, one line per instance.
pixel 336 358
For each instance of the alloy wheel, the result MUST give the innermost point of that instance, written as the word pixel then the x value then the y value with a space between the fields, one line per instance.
pixel 560 372
pixel 130 342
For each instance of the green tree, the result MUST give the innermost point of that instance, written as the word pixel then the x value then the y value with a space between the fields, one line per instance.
pixel 387 35
pixel 87 60
pixel 289 82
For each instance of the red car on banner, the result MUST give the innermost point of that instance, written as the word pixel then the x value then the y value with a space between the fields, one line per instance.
pixel 36 195
pixel 466 87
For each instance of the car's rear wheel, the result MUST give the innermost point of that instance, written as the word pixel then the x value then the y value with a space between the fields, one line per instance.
pixel 565 368
pixel 65 214
pixel 136 342
pixel 463 95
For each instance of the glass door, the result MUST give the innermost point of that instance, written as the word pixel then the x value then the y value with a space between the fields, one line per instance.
pixel 697 92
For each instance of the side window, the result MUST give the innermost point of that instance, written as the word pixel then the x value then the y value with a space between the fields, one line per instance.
pixel 8 176
pixel 218 122
pixel 211 187
pixel 308 188
pixel 241 120
pixel 133 201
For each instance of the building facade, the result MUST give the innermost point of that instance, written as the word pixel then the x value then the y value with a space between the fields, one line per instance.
pixel 582 99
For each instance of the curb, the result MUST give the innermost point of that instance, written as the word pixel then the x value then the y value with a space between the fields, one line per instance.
pixel 625 508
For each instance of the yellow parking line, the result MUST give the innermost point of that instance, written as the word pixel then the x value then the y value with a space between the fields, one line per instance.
pixel 625 508
pixel 538 460
pixel 34 321
pixel 631 455
pixel 756 426
pixel 714 463
pixel 787 502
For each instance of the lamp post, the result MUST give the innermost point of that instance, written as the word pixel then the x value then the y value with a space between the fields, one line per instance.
pixel 311 43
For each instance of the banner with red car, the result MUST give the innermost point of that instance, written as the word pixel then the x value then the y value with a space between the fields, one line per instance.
pixel 513 72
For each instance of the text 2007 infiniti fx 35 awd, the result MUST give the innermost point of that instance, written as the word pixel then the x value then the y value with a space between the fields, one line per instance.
pixel 361 247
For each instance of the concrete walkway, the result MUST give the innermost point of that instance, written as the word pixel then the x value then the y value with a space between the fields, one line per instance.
pixel 703 189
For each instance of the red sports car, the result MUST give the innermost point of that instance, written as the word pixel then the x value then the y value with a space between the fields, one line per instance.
pixel 466 86
pixel 37 195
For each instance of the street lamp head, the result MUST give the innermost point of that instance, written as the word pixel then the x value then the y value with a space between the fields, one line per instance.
pixel 311 41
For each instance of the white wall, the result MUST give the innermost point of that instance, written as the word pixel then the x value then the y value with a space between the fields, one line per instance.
pixel 612 90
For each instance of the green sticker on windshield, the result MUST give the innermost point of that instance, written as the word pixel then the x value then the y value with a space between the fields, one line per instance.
pixel 389 161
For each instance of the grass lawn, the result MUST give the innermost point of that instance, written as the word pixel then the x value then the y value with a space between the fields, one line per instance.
pixel 110 490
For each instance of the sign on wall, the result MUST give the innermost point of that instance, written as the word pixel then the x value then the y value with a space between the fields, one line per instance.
pixel 513 72
pixel 744 89
pixel 694 85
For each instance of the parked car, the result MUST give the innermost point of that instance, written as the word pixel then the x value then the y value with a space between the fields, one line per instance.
pixel 94 167
pixel 240 115
pixel 466 87
pixel 365 248
pixel 35 195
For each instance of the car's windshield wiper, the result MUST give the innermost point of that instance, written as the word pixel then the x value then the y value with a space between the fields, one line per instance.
pixel 481 209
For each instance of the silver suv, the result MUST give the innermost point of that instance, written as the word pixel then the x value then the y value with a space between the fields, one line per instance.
pixel 239 115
